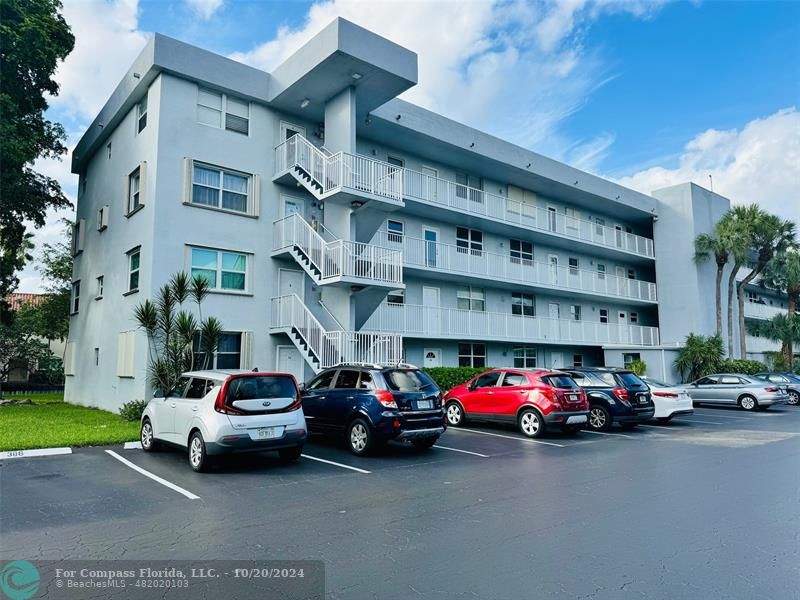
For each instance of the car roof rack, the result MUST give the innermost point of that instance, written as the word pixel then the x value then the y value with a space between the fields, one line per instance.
pixel 366 365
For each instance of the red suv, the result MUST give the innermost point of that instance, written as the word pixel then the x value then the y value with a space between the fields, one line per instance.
pixel 533 399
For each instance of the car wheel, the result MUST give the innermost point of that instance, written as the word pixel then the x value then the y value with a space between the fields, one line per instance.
pixel 664 419
pixel 198 458
pixel 290 454
pixel 454 413
pixel 424 443
pixel 531 423
pixel 149 443
pixel 748 402
pixel 359 437
pixel 794 398
pixel 599 418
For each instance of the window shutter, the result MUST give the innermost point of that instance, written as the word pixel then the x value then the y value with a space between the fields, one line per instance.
pixel 246 357
pixel 255 196
pixel 81 236
pixel 102 218
pixel 126 346
pixel 188 170
pixel 143 182
pixel 69 359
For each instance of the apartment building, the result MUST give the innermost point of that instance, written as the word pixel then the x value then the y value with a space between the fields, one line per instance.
pixel 336 222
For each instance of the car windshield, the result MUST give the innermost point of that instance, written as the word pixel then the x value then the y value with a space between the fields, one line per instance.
pixel 629 379
pixel 258 387
pixel 563 382
pixel 657 383
pixel 408 380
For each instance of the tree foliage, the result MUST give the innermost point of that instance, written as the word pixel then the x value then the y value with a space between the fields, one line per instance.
pixel 19 349
pixel 35 38
pixel 699 356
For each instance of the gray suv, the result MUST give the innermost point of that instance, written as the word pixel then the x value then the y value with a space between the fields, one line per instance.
pixel 734 389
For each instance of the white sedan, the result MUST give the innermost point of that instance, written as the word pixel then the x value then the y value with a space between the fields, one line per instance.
pixel 670 400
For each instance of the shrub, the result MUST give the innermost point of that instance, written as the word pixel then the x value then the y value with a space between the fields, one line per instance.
pixel 638 366
pixel 699 356
pixel 132 411
pixel 448 377
pixel 738 365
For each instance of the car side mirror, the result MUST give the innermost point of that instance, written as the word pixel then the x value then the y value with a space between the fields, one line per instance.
pixel 302 386
pixel 472 385
pixel 158 393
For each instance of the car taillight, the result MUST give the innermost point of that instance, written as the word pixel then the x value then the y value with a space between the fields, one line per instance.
pixel 219 403
pixel 770 389
pixel 665 394
pixel 621 394
pixel 386 398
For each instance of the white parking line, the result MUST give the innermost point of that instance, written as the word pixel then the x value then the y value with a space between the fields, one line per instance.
pixel 510 437
pixel 154 477
pixel 336 464
pixel 693 420
pixel 462 451
pixel 708 414
pixel 630 437
pixel 36 452
pixel 656 426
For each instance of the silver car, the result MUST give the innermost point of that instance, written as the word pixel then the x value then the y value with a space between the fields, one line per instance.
pixel 734 389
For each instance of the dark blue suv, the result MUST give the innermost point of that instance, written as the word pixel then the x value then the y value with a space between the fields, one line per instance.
pixel 371 405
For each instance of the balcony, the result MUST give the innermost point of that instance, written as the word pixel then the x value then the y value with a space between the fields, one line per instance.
pixel 756 310
pixel 330 260
pixel 761 344
pixel 417 321
pixel 442 259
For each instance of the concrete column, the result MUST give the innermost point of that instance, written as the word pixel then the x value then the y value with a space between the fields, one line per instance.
pixel 340 122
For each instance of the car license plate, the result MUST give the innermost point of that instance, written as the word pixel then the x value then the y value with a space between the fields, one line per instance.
pixel 642 399
pixel 424 404
pixel 573 397
pixel 267 433
pixel 576 419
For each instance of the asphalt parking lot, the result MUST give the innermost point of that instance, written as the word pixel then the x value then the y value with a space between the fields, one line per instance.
pixel 705 507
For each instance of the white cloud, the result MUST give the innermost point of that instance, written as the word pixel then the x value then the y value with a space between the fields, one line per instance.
pixel 514 68
pixel 107 40
pixel 205 9
pixel 757 163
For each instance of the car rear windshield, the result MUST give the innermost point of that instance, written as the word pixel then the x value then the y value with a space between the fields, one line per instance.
pixel 628 379
pixel 408 380
pixel 563 382
pixel 261 386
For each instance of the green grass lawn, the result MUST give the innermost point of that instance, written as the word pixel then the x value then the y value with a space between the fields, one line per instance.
pixel 50 423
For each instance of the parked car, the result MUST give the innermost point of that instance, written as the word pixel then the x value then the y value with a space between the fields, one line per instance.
pixel 615 396
pixel 534 400
pixel 371 405
pixel 669 400
pixel 220 412
pixel 790 380
pixel 734 389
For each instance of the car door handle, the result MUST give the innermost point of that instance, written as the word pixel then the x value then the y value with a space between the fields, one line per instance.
pixel 194 409
pixel 350 398
pixel 172 404
pixel 489 393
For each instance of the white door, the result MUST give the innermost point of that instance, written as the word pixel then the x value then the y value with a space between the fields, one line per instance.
pixel 433 357
pixel 430 302
pixel 618 235
pixel 289 129
pixel 556 360
pixel 553 314
pixel 431 236
pixel 430 186
pixel 292 206
pixel 552 260
pixel 291 282
pixel 552 218
pixel 622 327
pixel 622 283
pixel 289 360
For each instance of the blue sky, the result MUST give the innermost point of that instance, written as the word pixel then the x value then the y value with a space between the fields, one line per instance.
pixel 646 92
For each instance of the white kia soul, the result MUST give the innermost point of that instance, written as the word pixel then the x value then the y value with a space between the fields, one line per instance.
pixel 221 412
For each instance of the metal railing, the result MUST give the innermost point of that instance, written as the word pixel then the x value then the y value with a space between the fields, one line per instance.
pixel 331 348
pixel 435 322
pixel 757 310
pixel 338 258
pixel 446 257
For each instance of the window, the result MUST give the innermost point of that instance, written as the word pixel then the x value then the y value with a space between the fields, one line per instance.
pixel 469 186
pixel 573 265
pixel 347 380
pixel 524 357
pixel 472 355
pixel 629 357
pixel 102 218
pixel 552 218
pixel 134 193
pixel 601 271
pixel 78 228
pixel 108 149
pixel 395 231
pixel 470 298
pixel 219 188
pixel 521 252
pixel 631 274
pixel 577 360
pixel 223 111
pixel 514 379
pixel 575 312
pixel 634 318
pixel 141 118
pixel 99 294
pixel 469 240
pixel 396 297
pixel 199 388
pixel 604 315
pixel 97 357
pixel 134 260
pixel 523 304
pixel 227 356
pixel 223 270
pixel 487 380
pixel 322 381
pixel 397 162
pixel 365 382
pixel 76 296
pixel 600 227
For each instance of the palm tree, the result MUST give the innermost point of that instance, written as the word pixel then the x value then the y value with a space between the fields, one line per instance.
pixel 699 356
pixel 769 235
pixel 780 328
pixel 783 273
pixel 734 230
pixel 713 244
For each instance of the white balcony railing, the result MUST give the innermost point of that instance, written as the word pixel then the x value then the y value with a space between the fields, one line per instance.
pixel 429 189
pixel 503 267
pixel 432 322
pixel 330 348
pixel 338 258
pixel 761 344
pixel 757 310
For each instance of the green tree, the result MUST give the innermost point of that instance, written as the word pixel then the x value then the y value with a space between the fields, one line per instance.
pixel 34 38
pixel 19 349
pixel 699 356
pixel 714 245
pixel 783 273
pixel 735 228
pixel 780 328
